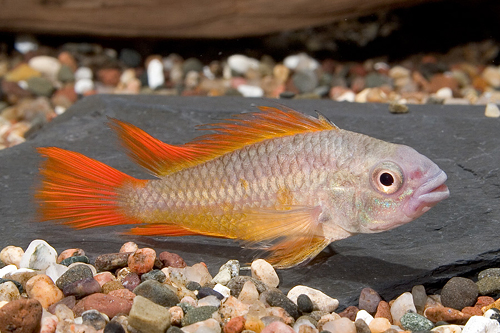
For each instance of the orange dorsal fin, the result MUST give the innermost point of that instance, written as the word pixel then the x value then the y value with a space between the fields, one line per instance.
pixel 231 134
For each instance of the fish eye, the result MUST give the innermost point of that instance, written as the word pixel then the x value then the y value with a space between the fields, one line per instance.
pixel 387 177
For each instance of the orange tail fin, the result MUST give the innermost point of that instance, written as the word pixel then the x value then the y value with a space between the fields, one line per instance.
pixel 82 191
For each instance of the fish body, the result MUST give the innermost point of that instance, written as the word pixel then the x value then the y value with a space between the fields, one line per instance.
pixel 276 180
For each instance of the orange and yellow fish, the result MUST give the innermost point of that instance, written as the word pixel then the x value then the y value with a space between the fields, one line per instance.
pixel 276 179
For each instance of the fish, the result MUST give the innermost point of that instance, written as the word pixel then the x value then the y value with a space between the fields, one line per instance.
pixel 275 180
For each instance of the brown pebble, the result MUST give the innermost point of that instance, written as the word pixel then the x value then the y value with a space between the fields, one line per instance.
pixel 450 315
pixel 368 300
pixel 107 304
pixel 484 301
pixel 123 293
pixel 439 81
pixel 169 259
pixel 65 97
pixel 472 310
pixel 111 285
pixel 350 312
pixel 383 311
pixel 69 301
pixel 111 261
pixel 131 281
pixel 67 59
pixel 109 76
pixel 21 316
pixel 104 277
pixel 142 260
pixel 69 252
pixel 235 325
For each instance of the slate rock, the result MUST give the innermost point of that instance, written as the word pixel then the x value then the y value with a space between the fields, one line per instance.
pixel 157 293
pixel 441 132
pixel 73 274
pixel 459 292
pixel 198 314
pixel 21 316
pixel 274 297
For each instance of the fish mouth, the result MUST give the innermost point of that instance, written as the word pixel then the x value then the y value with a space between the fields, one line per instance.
pixel 428 195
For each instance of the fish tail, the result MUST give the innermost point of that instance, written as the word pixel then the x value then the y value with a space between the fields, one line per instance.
pixel 81 191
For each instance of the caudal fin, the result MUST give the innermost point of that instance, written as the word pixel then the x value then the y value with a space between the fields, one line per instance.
pixel 81 191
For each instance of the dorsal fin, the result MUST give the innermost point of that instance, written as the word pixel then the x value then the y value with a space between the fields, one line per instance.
pixel 231 134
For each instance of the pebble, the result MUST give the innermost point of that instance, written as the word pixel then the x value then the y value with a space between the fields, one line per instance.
pixel 247 90
pixel 42 288
pixel 419 298
pixel 157 293
pixel 450 315
pixel 320 300
pixel 7 270
pixel 69 253
pixel 198 314
pixel 379 325
pixel 342 325
pixel 142 260
pixel 235 325
pixel 156 78
pixel 82 288
pixel 240 63
pixel 48 66
pixel 95 319
pixel 275 297
pixel 489 272
pixel 205 291
pixel 207 326
pixel 278 327
pixel 232 307
pixel 25 43
pixel 304 304
pixel 107 304
pixel 148 317
pixel 84 73
pixel 477 324
pixel 263 271
pixel 111 261
pixel 369 300
pixel 169 259
pixel 154 274
pixel 227 271
pixel 305 81
pixel 415 322
pixel 75 259
pixel 73 274
pixel 21 316
pixel 402 305
pixel 39 255
pixel 459 292
pixel 84 86
pixel 492 111
pixel 21 72
pixel 114 327
pixel 11 255
pixel 300 62
pixel 9 291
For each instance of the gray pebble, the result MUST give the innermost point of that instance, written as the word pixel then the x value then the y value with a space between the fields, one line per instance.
pixel 193 285
pixel 70 260
pixel 459 292
pixel 94 318
pixel 174 329
pixel 415 322
pixel 65 74
pixel 130 57
pixel 362 326
pixel 114 327
pixel 111 261
pixel 489 272
pixel 198 314
pixel 75 273
pixel 155 274
pixel 305 81
pixel 489 285
pixel 192 64
pixel 419 297
pixel 40 86
pixel 157 292
pixel 236 284
pixel 275 297
pixel 304 303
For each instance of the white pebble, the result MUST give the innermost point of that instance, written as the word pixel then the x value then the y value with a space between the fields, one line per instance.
pixel 223 290
pixel 264 271
pixel 156 78
pixel 59 109
pixel 25 44
pixel 492 111
pixel 365 316
pixel 241 63
pixel 210 300
pixel 447 329
pixel 210 324
pixel 320 300
pixel 301 62
pixel 348 96
pixel 39 255
pixel 48 66
pixel 9 291
pixel 83 73
pixel 84 85
pixel 55 271
pixel 402 305
pixel 11 255
pixel 479 324
pixel 444 93
pixel 250 91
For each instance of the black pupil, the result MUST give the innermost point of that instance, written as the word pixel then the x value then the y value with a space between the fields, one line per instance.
pixel 386 179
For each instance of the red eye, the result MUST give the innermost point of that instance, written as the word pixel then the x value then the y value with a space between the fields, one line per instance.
pixel 387 177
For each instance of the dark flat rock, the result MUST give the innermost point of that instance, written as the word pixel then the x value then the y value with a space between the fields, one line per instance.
pixel 457 237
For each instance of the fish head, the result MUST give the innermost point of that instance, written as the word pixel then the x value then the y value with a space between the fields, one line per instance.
pixel 400 186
